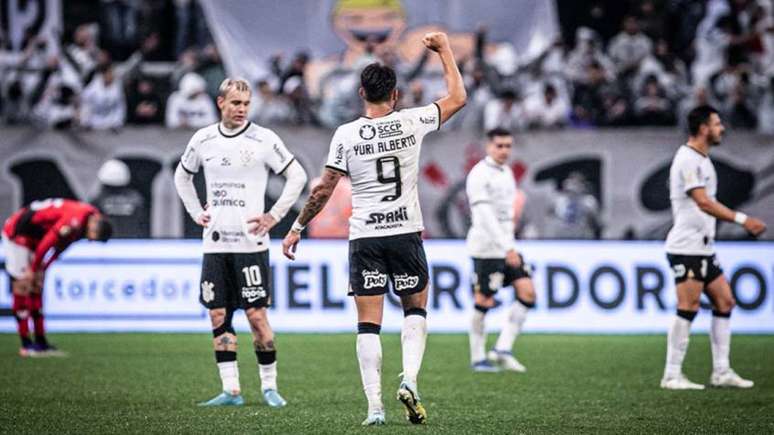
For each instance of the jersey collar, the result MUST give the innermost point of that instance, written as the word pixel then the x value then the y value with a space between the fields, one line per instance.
pixel 695 150
pixel 242 130
pixel 491 162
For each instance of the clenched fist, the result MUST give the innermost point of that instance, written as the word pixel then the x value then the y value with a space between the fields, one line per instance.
pixel 436 41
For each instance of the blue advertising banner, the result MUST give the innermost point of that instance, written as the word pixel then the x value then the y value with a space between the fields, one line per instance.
pixel 582 287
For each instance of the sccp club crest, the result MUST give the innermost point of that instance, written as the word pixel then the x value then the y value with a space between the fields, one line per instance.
pixel 367 132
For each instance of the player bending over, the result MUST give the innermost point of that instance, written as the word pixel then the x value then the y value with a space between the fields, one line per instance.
pixel 33 238
pixel 380 153
pixel 491 191
pixel 236 156
pixel 690 247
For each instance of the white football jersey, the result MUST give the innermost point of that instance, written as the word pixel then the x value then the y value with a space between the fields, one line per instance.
pixel 693 231
pixel 381 157
pixel 494 185
pixel 236 169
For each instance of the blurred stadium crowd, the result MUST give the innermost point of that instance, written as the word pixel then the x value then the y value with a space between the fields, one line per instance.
pixel 625 63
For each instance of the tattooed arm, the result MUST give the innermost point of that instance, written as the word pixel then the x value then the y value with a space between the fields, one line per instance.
pixel 317 200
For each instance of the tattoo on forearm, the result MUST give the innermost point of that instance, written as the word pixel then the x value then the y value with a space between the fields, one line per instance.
pixel 319 197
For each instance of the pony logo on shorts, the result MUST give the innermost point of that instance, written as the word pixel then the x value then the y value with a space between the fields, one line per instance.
pixel 208 294
pixel 374 279
pixel 404 281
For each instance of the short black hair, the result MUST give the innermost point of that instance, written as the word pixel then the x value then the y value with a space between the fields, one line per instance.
pixel 104 229
pixel 498 131
pixel 698 116
pixel 378 82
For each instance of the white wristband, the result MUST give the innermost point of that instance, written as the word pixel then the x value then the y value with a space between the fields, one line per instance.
pixel 297 227
pixel 740 218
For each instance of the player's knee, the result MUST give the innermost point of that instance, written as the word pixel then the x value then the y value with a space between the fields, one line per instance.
pixel 526 299
pixel 217 317
pixel 223 328
pixel 725 304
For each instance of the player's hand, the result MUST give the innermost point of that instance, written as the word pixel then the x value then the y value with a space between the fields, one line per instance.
pixel 436 41
pixel 203 219
pixel 754 226
pixel 512 258
pixel 261 224
pixel 22 286
pixel 289 244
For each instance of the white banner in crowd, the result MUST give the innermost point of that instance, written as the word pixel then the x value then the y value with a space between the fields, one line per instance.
pixel 582 287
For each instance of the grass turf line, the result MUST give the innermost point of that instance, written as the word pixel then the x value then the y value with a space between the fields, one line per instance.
pixel 150 383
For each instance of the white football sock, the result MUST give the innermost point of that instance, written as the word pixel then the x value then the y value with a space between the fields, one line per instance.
pixel 268 376
pixel 720 338
pixel 513 323
pixel 413 337
pixel 369 356
pixel 477 336
pixel 229 377
pixel 677 345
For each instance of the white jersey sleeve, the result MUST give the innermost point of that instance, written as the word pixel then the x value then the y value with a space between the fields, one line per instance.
pixel 191 160
pixel 689 174
pixel 426 119
pixel 337 158
pixel 279 159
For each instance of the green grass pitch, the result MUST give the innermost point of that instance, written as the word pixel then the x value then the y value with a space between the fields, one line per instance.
pixel 150 383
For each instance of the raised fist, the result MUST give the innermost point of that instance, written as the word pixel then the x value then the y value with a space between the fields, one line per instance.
pixel 436 41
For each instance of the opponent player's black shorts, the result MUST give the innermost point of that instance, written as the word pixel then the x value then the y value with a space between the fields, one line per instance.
pixel 235 280
pixel 490 274
pixel 375 260
pixel 704 268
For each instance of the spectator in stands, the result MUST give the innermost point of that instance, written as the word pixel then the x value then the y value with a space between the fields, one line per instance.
pixel 103 105
pixel 628 48
pixel 296 68
pixel 82 53
pixel 586 53
pixel 766 110
pixel 652 107
pixel 268 108
pixel 58 106
pixel 190 106
pixel 211 69
pixel 191 26
pixel 119 26
pixel 547 109
pixel 714 39
pixel 144 103
pixel 575 213
pixel 588 104
pixel 652 19
pixel 505 112
pixel 669 69
pixel 739 109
